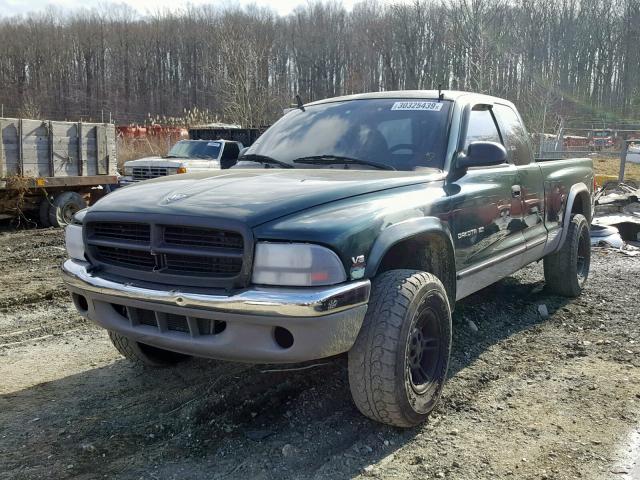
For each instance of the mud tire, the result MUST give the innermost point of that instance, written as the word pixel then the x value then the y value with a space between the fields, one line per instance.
pixel 380 362
pixel 566 271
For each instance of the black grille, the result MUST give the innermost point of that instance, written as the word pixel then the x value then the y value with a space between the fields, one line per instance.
pixel 202 237
pixel 170 321
pixel 135 232
pixel 144 173
pixel 177 323
pixel 176 255
pixel 125 257
pixel 180 264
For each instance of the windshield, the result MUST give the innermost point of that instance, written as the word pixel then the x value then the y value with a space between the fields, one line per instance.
pixel 195 149
pixel 399 134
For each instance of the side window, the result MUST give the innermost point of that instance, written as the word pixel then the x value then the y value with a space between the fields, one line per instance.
pixel 515 135
pixel 231 151
pixel 482 128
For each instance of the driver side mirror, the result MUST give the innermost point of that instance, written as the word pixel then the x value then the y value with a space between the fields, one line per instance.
pixel 482 154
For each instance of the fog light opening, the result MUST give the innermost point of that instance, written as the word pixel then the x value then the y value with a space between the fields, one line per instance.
pixel 283 337
pixel 80 302
pixel 219 326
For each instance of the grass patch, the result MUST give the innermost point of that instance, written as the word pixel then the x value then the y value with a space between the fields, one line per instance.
pixel 611 166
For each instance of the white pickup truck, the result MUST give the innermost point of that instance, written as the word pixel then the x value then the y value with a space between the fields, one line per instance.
pixel 186 156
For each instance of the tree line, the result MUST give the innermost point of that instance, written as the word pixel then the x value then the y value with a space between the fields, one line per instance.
pixel 245 64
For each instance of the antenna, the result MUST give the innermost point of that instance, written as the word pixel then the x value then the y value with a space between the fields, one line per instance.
pixel 300 105
pixel 440 94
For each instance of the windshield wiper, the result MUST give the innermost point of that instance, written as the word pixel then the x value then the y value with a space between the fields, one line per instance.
pixel 265 159
pixel 337 160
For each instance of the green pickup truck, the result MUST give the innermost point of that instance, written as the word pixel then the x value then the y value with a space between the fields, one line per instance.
pixel 353 224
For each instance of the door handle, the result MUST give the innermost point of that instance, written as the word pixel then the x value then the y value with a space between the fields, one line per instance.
pixel 515 191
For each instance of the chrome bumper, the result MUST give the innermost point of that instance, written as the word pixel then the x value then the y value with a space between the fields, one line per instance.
pixel 322 321
pixel 287 302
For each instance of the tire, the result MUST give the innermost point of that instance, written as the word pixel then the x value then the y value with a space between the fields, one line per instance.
pixel 64 206
pixel 392 382
pixel 566 271
pixel 43 212
pixel 145 355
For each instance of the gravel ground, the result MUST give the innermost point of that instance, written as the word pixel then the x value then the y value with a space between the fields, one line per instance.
pixel 528 397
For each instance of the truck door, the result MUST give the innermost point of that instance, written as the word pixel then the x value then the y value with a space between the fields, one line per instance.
pixel 487 229
pixel 229 155
pixel 530 181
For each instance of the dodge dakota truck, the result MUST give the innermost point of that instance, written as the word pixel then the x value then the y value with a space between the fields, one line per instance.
pixel 370 216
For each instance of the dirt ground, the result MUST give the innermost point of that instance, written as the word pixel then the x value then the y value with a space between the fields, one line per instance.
pixel 528 397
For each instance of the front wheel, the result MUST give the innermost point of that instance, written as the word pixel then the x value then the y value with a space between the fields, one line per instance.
pixel 566 271
pixel 398 365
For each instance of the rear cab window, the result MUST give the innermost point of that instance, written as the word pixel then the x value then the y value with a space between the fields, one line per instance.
pixel 515 135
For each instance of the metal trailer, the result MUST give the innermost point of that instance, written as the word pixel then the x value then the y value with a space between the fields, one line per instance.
pixel 50 169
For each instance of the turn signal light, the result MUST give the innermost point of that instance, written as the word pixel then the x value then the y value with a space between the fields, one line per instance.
pixel 181 170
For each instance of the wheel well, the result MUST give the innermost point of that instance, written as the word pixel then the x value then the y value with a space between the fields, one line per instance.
pixel 429 252
pixel 582 205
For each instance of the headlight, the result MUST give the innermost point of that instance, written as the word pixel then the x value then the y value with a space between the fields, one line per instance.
pixel 74 243
pixel 296 265
pixel 128 170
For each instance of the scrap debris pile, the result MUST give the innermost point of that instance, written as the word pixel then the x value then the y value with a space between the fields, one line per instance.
pixel 616 222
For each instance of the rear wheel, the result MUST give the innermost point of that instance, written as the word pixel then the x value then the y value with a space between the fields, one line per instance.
pixel 398 365
pixel 566 271
pixel 143 354
pixel 63 208
pixel 43 212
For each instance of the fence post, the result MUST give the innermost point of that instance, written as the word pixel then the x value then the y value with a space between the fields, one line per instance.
pixel 623 159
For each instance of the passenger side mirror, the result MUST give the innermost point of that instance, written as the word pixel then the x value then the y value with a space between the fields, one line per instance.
pixel 482 154
pixel 242 150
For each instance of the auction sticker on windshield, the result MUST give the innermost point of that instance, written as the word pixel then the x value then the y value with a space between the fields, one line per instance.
pixel 429 106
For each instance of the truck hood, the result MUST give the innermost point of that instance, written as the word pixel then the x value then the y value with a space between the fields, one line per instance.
pixel 155 162
pixel 252 196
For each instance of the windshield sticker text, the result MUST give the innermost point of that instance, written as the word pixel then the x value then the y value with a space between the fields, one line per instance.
pixel 428 106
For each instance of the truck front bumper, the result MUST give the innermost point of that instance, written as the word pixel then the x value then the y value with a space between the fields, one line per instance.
pixel 258 325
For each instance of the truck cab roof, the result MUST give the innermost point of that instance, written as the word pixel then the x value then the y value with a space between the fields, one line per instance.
pixel 450 95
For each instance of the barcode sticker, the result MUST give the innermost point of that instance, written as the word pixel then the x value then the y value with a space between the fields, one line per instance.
pixel 428 106
pixel 213 144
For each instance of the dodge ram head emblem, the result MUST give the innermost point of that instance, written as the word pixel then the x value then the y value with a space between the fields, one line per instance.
pixel 175 197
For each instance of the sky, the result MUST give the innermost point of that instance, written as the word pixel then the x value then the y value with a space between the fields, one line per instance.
pixel 17 7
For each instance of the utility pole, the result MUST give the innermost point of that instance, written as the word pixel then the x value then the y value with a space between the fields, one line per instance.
pixel 544 118
pixel 623 158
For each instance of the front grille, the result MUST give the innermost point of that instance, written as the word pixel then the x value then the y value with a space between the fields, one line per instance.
pixel 125 257
pixel 179 255
pixel 203 265
pixel 201 237
pixel 145 173
pixel 135 232
pixel 170 321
